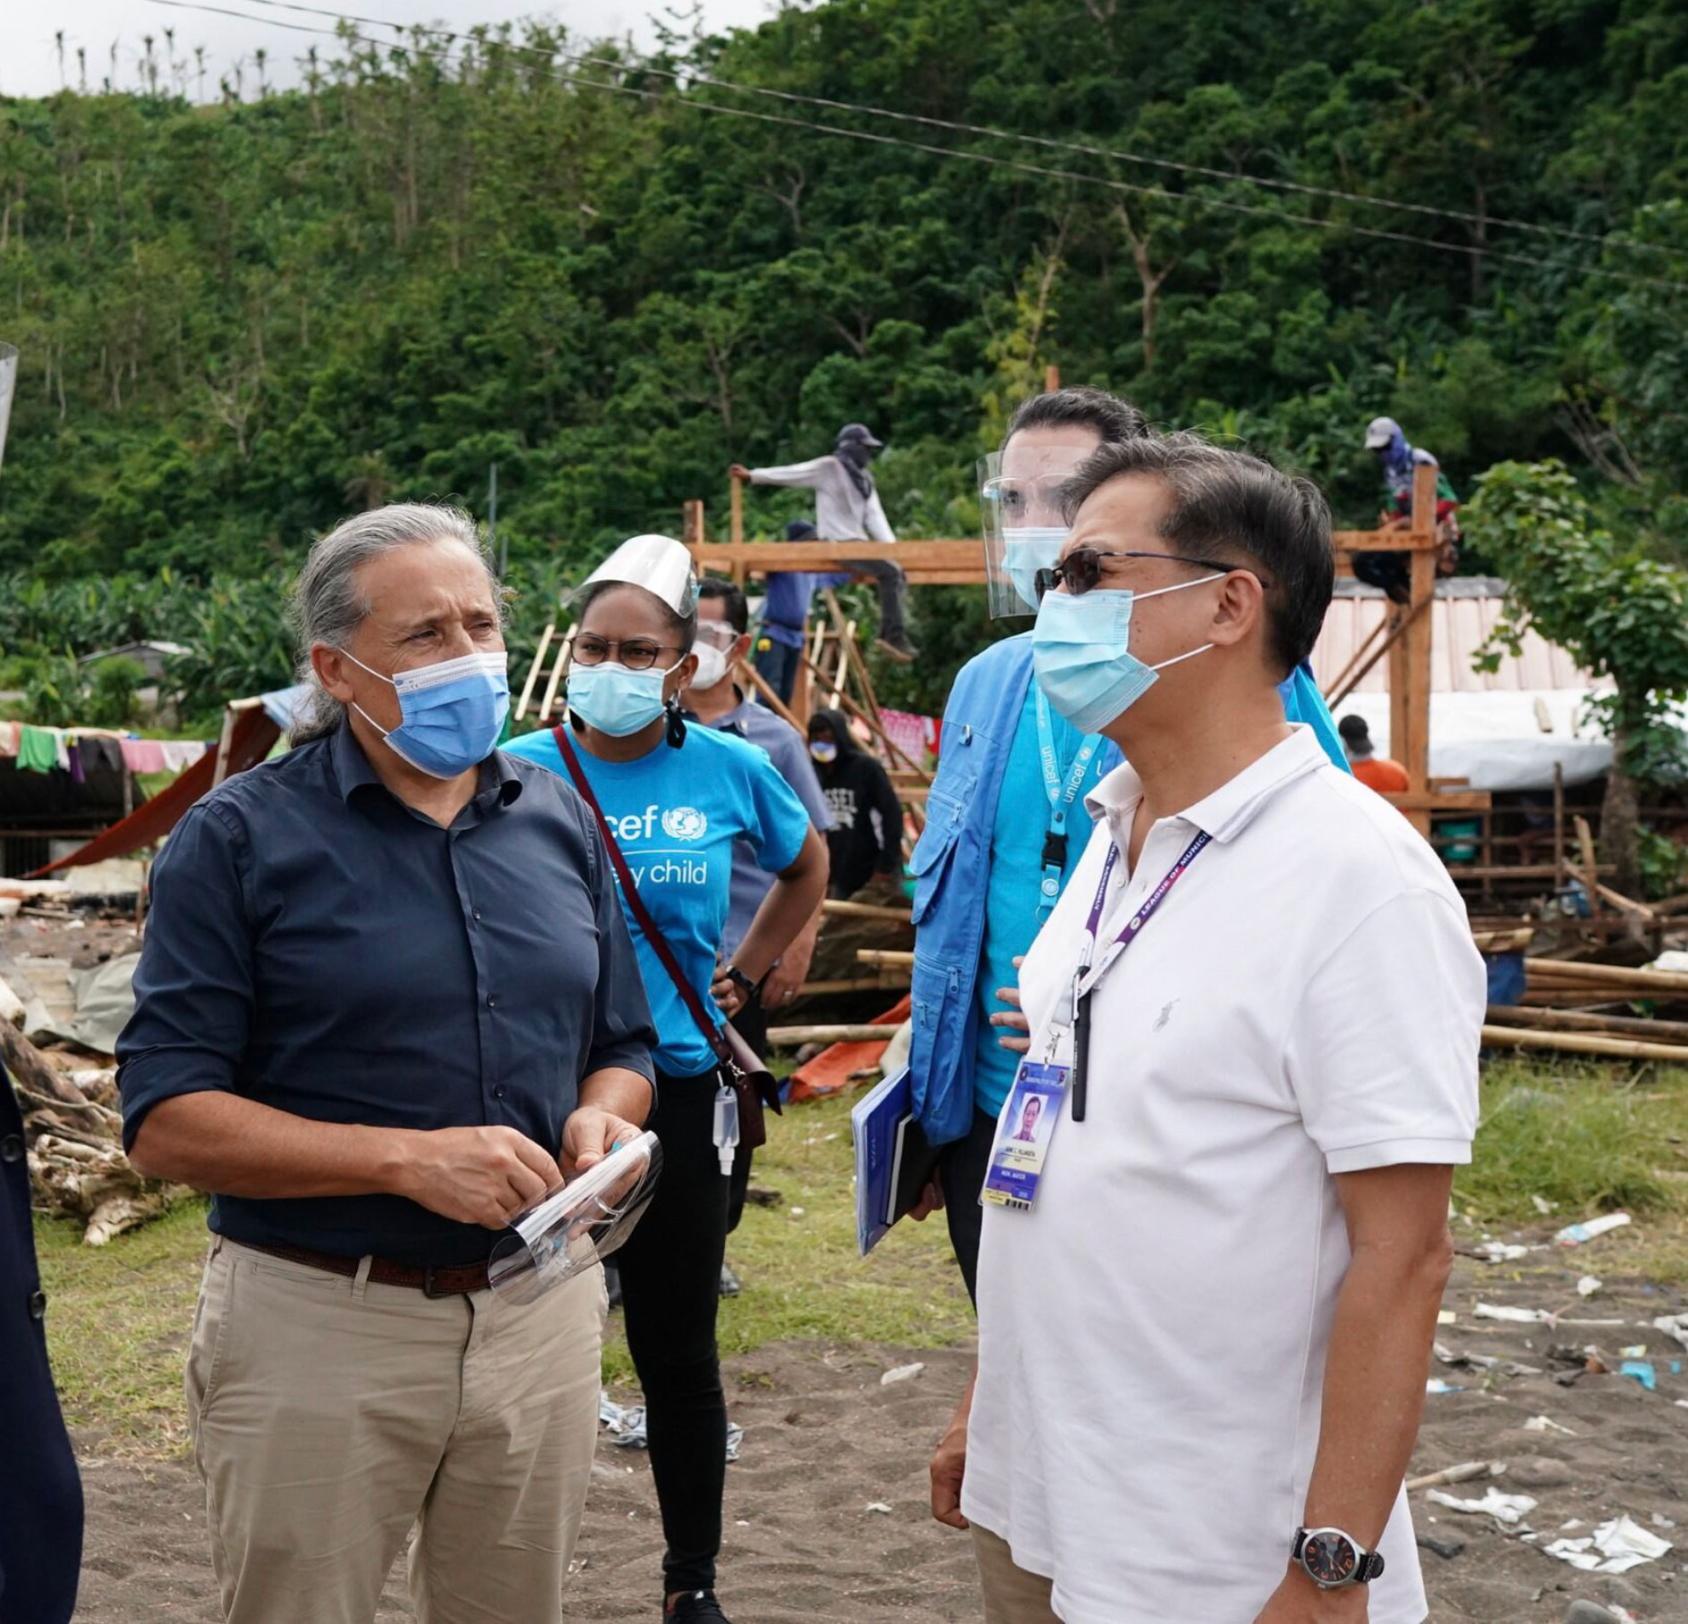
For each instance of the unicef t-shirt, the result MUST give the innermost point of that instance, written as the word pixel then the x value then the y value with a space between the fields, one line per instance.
pixel 676 814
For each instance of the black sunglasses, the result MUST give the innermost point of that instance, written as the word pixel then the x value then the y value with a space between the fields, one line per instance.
pixel 1081 569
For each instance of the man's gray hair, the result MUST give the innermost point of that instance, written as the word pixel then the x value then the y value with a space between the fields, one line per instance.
pixel 328 603
pixel 1240 507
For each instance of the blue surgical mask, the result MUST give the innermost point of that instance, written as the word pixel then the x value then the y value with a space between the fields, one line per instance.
pixel 452 710
pixel 823 750
pixel 615 700
pixel 1081 653
pixel 1027 550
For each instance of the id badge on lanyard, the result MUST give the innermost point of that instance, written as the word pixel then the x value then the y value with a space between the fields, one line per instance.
pixel 1060 797
pixel 1027 1125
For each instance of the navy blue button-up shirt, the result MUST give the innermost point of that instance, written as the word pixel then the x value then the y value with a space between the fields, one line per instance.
pixel 316 945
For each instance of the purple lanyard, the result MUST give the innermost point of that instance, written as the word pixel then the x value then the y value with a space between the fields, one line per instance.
pixel 1086 979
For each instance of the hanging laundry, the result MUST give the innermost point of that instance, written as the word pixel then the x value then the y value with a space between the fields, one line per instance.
pixel 38 748
pixel 182 753
pixel 144 755
pixel 8 740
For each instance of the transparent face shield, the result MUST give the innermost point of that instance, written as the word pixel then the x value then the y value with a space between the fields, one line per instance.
pixel 580 1223
pixel 659 564
pixel 1019 502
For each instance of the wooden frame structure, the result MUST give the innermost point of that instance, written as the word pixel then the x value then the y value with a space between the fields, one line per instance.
pixel 1404 638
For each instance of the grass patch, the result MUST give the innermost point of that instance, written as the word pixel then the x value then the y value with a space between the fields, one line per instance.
pixel 118 1321
pixel 1586 1138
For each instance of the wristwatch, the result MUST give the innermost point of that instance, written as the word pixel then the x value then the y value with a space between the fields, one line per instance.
pixel 1333 1559
pixel 740 980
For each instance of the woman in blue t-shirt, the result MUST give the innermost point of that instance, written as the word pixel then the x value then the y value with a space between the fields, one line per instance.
pixel 675 800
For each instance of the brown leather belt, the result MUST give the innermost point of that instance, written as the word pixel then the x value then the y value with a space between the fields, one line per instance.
pixel 432 1280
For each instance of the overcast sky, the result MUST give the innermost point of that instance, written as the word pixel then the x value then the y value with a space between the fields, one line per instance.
pixel 29 55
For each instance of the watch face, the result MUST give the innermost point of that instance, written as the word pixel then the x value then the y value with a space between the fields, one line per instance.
pixel 1330 1557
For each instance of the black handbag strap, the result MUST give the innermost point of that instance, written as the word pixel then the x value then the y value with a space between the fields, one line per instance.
pixel 712 1034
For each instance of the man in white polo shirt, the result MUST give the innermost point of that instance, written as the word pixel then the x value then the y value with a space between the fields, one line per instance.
pixel 1206 1301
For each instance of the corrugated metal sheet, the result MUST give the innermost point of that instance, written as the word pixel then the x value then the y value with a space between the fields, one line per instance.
pixel 1461 622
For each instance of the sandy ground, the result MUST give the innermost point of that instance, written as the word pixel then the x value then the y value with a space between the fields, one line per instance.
pixel 825 1442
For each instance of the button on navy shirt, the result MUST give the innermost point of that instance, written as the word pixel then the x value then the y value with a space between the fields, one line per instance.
pixel 316 945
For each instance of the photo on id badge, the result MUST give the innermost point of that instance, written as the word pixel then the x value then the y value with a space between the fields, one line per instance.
pixel 1023 1133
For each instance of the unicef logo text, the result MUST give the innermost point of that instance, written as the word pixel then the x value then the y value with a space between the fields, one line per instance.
pixel 684 823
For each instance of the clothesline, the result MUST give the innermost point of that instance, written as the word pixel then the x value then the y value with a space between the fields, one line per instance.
pixel 76 749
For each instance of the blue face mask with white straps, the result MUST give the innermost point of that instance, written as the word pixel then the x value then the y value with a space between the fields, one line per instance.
pixel 1081 654
pixel 615 700
pixel 452 711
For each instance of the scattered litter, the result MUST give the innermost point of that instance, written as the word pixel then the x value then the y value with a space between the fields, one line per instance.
pixel 1447 1317
pixel 1484 1361
pixel 1591 1612
pixel 880 1506
pixel 1463 1473
pixel 626 1425
pixel 1659 1520
pixel 1543 1205
pixel 1509 1510
pixel 1587 1286
pixel 1445 1546
pixel 1515 1316
pixel 1546 1423
pixel 1675 1325
pixel 1581 1234
pixel 1614 1547
pixel 1500 1252
pixel 1639 1351
pixel 1640 1370
pixel 797 1212
pixel 902 1373
pixel 1436 1386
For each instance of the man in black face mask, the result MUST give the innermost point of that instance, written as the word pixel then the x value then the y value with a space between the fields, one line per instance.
pixel 847 508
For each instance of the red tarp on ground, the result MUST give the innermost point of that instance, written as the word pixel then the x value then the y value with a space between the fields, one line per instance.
pixel 840 1066
pixel 250 741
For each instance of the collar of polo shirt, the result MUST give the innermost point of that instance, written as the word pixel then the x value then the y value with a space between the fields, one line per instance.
pixel 352 771
pixel 1229 809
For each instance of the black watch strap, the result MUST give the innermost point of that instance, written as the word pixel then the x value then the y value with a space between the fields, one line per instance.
pixel 743 982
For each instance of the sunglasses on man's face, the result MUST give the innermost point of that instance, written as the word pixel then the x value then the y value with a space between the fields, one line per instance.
pixel 1081 569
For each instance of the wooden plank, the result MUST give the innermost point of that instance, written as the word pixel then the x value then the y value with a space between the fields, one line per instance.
pixel 736 521
pixel 534 669
pixel 884 959
pixel 1387 541
pixel 864 910
pixel 769 558
pixel 1564 1020
pixel 1511 1037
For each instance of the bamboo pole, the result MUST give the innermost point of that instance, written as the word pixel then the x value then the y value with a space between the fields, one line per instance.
pixel 846 642
pixel 849 704
pixel 1599 976
pixel 563 649
pixel 865 910
pixel 769 698
pixel 1511 1037
pixel 879 983
pixel 884 959
pixel 534 669
pixel 1564 1020
pixel 1340 687
pixel 735 531
pixel 794 1037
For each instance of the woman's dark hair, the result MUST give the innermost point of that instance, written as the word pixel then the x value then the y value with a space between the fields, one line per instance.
pixel 1112 418
pixel 684 627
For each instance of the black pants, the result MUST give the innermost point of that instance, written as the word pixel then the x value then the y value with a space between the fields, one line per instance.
pixel 892 587
pixel 670 1286
pixel 751 1024
pixel 961 1171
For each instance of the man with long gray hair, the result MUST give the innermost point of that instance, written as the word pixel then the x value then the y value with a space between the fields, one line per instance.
pixel 386 997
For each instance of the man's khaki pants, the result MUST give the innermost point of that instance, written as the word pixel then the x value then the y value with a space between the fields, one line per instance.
pixel 330 1416
pixel 1012 1596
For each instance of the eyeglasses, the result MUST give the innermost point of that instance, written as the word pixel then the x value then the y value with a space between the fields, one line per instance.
pixel 1081 569
pixel 636 653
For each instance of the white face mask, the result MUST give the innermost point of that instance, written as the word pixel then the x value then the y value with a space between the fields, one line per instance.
pixel 711 665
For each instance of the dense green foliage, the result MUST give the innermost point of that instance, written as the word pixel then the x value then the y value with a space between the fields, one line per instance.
pixel 240 320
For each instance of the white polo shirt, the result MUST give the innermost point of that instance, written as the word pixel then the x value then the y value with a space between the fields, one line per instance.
pixel 1307 1001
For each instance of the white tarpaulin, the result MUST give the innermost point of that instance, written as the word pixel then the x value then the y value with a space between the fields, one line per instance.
pixel 1497 741
pixel 8 383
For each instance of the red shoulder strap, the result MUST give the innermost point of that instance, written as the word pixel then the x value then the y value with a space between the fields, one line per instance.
pixel 659 942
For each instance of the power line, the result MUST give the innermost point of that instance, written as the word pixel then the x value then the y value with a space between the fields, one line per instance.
pixel 988 160
pixel 1088 149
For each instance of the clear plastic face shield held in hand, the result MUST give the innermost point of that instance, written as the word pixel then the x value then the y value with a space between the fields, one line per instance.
pixel 576 1225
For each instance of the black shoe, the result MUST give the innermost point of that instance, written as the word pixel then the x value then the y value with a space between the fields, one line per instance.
pixel 695 1607
pixel 731 1285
